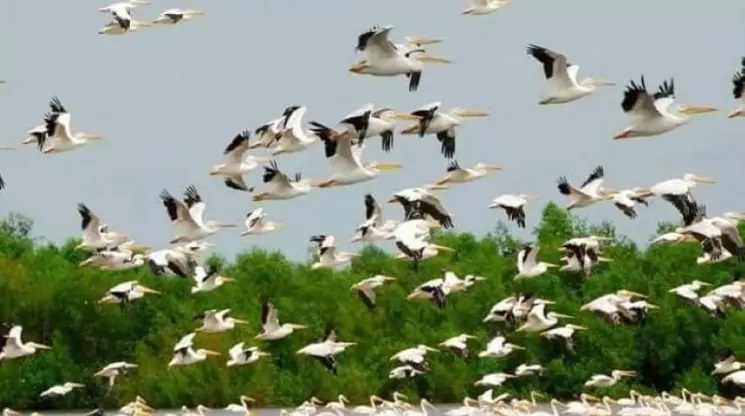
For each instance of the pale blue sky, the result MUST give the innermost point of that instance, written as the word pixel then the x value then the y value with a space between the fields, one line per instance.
pixel 169 99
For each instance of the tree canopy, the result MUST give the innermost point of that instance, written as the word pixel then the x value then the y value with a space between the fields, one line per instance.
pixel 43 289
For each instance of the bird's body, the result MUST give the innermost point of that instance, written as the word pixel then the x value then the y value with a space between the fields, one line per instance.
pixel 59 137
pixel 280 186
pixel 626 199
pixel 188 216
pixel 654 114
pixel 15 348
pixel 240 355
pixel 327 253
pixel 498 347
pixel 60 389
pixel 291 137
pixel 271 329
pixel 431 120
pixel 590 192
pixel 484 7
pixel 184 354
pixel 175 16
pixel 528 265
pixel 236 163
pixel 256 223
pixel 458 344
pixel 326 350
pixel 456 174
pixel 513 206
pixel 125 293
pixel 366 289
pixel 215 320
pixel 208 280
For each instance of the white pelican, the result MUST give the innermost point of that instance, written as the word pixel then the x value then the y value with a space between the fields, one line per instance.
pixel 271 329
pixel 328 255
pixel 61 389
pixel 564 333
pixel 677 191
pixel 374 228
pixel 184 354
pixel 368 122
pixel 538 320
pixel 236 164
pixel 424 201
pixel 411 43
pixel 528 265
pixel 345 160
pixel 414 357
pixel 717 236
pixel 404 371
pixel 240 355
pixel 280 186
pixel 441 124
pixel 291 137
pixel 651 114
pixel 123 8
pixel 456 174
pixel 58 131
pixel 385 59
pixel 125 256
pixel 412 240
pixel 113 370
pixel 561 77
pixel 178 261
pixel 126 292
pixel 523 370
pixel 266 134
pixel 494 379
pixel 326 350
pixel 727 365
pixel 173 16
pixel 117 27
pixel 611 306
pixel 208 280
pixel 513 206
pixel 590 192
pixel 626 199
pixel 498 347
pixel 255 223
pixel 690 290
pixel 188 216
pixel 217 321
pixel 15 348
pixel 605 381
pixel 93 238
pixel 240 408
pixel 582 254
pixel 484 7
pixel 738 84
pixel 458 344
pixel 366 288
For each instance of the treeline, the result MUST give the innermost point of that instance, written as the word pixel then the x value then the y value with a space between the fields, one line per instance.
pixel 43 289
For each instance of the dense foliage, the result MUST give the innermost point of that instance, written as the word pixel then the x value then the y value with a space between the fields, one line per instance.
pixel 43 289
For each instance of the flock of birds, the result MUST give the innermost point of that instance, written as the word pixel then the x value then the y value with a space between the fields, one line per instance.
pixel 651 113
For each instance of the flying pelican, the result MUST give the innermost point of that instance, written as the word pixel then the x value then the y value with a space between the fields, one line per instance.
pixel 126 256
pixel 58 131
pixel 217 321
pixel 280 186
pixel 328 256
pixel 188 216
pixel 236 164
pixel 240 408
pixel 271 329
pixel 524 370
pixel 538 320
pixel 366 288
pixel 113 370
pixel 590 192
pixel 404 371
pixel 484 7
pixel 255 223
pixel 291 137
pixel 528 265
pixel 727 365
pixel 456 174
pixel 605 381
pixel 345 160
pixel 121 10
pixel 564 333
pixel 424 201
pixel 412 240
pixel 61 389
pixel 326 350
pixel 15 348
pixel 184 354
pixel 651 114
pixel 266 134
pixel 174 16
pixel 458 344
pixel 411 43
pixel 368 122
pixel 494 379
pixel 738 84
pixel 626 199
pixel 126 292
pixel 513 205
pixel 208 280
pixel 677 191
pixel 385 59
pixel 441 124
pixel 498 347
pixel 414 357
pixel 689 291
pixel 177 261
pixel 561 77
pixel 93 238
pixel 122 27
pixel 374 228
pixel 240 355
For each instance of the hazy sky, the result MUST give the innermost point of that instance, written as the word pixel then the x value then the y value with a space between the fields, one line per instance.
pixel 169 99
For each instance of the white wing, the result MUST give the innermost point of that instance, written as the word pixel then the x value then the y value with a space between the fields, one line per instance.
pixel 236 350
pixel 185 342
pixel 196 212
pixel 344 159
pixel 379 46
